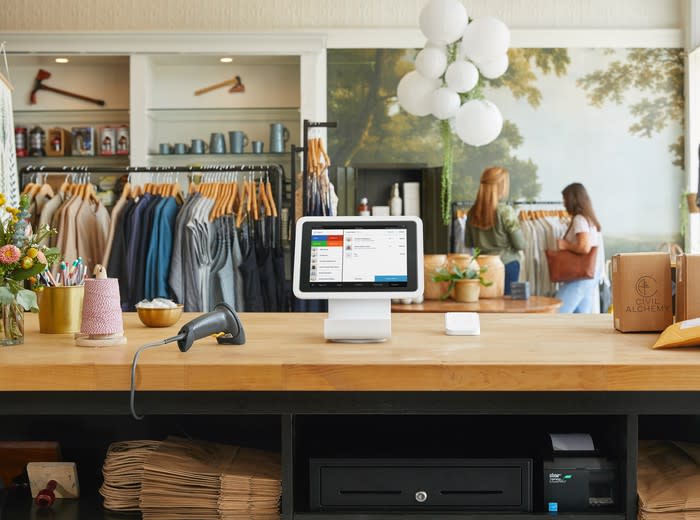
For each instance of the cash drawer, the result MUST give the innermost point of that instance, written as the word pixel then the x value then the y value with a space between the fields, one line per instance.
pixel 421 484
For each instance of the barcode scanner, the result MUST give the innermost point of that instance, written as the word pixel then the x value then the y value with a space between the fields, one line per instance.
pixel 223 320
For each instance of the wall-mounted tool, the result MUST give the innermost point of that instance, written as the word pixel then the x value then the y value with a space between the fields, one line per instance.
pixel 236 86
pixel 39 85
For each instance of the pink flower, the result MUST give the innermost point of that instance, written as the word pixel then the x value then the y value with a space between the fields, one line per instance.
pixel 9 254
pixel 41 258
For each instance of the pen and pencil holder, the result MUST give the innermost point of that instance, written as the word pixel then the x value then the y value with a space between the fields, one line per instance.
pixel 60 309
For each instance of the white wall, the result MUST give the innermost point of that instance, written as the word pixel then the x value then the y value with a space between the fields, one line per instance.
pixel 266 15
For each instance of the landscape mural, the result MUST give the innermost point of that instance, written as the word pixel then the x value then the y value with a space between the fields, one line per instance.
pixel 609 118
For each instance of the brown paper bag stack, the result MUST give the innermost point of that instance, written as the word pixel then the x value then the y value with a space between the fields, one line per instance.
pixel 122 471
pixel 180 479
pixel 668 480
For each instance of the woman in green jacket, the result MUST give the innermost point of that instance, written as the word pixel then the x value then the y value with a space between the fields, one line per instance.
pixel 492 226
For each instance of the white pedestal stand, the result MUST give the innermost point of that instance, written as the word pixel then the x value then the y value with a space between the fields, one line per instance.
pixel 358 321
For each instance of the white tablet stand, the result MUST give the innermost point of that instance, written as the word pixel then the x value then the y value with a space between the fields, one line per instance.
pixel 358 321
pixel 359 313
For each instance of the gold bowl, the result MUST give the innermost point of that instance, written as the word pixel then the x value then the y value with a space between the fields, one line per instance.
pixel 159 317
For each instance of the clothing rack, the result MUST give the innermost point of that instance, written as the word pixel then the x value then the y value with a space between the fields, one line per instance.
pixel 305 173
pixel 305 161
pixel 275 171
pixel 460 204
pixel 147 169
pixel 536 203
pixel 465 204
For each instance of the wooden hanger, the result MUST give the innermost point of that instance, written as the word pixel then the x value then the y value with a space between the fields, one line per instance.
pixel 313 157
pixel 126 191
pixel 219 202
pixel 45 189
pixel 28 187
pixel 232 200
pixel 323 154
pixel 176 192
pixel 270 198
pixel 254 201
pixel 65 186
pixel 242 205
pixel 262 197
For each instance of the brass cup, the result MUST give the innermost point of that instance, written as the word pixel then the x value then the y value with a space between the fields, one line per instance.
pixel 61 309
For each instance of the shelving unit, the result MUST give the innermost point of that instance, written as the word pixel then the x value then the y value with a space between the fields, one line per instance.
pixel 348 425
pixel 170 112
pixel 74 160
pixel 154 96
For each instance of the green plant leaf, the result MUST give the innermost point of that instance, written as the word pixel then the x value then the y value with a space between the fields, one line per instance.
pixel 6 296
pixel 449 290
pixel 27 299
pixel 23 274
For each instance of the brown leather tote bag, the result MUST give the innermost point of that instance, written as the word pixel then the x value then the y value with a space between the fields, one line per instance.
pixel 566 266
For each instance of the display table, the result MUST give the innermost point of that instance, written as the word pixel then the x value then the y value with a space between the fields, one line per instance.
pixel 535 304
pixel 420 393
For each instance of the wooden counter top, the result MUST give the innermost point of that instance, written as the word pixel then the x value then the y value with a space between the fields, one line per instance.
pixel 287 352
pixel 534 304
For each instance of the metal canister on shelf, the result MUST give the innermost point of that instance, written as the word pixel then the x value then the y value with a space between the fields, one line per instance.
pixel 122 140
pixel 37 139
pixel 108 141
pixel 21 141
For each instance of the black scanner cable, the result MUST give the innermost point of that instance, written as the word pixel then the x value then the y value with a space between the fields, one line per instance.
pixel 132 393
pixel 222 321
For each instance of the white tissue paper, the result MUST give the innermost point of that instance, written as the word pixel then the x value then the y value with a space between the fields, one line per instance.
pixel 157 303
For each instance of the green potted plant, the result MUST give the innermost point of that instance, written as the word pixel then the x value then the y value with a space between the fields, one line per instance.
pixel 464 284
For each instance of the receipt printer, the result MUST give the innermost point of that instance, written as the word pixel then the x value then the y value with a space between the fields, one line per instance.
pixel 577 478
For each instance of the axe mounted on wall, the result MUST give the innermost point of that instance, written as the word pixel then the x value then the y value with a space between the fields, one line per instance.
pixel 38 85
pixel 236 85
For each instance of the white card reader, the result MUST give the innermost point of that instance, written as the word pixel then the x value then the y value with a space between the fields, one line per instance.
pixel 462 324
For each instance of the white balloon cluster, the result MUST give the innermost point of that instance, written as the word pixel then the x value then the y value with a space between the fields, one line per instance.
pixel 479 47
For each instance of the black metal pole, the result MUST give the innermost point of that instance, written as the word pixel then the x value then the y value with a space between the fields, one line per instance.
pixel 305 167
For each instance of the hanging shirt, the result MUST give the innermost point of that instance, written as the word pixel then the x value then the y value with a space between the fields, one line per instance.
pixel 176 278
pixel 136 229
pixel 47 213
pixel 248 267
pixel 92 224
pixel 166 226
pixel 237 259
pixel 116 211
pixel 118 266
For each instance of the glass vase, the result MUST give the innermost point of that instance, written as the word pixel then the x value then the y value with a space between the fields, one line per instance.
pixel 11 324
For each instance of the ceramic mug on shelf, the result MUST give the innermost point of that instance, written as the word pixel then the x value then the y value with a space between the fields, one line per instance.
pixel 238 141
pixel 257 146
pixel 180 148
pixel 217 143
pixel 198 147
pixel 164 148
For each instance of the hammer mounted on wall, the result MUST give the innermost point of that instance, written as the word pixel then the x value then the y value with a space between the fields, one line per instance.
pixel 39 85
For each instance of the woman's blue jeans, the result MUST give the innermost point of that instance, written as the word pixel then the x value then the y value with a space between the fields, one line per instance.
pixel 577 296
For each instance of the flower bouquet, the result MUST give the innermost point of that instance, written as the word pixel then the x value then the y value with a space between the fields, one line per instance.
pixel 22 260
